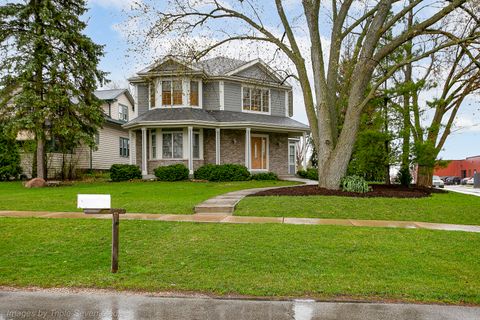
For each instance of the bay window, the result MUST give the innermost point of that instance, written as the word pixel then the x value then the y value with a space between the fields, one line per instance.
pixel 172 145
pixel 256 100
pixel 194 93
pixel 172 92
pixel 196 145
pixel 153 140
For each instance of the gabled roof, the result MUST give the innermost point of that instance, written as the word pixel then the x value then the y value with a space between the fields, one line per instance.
pixel 220 66
pixel 112 94
pixel 214 67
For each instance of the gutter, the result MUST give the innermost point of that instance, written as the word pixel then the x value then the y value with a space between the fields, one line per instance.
pixel 229 125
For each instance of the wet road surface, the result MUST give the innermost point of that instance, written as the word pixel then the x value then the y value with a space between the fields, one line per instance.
pixel 86 306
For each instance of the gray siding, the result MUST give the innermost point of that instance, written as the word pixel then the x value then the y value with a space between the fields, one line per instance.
pixel 142 98
pixel 290 103
pixel 278 102
pixel 255 72
pixel 211 95
pixel 233 96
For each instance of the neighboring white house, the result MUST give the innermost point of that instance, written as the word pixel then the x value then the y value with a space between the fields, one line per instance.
pixel 113 144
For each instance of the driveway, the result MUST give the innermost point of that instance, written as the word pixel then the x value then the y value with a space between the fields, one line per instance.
pixel 86 306
pixel 464 189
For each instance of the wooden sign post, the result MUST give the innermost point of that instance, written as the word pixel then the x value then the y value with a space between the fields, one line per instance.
pixel 100 203
pixel 115 236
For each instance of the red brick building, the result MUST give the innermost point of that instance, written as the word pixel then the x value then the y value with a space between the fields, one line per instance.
pixel 460 168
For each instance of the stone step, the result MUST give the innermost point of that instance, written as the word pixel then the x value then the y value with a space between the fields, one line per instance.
pixel 222 210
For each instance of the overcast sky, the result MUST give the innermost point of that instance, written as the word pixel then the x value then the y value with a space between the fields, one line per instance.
pixel 107 23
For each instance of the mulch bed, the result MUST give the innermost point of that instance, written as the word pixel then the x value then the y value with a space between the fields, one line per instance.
pixel 378 190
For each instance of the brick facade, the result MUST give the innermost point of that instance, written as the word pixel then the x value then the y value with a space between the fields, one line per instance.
pixel 232 150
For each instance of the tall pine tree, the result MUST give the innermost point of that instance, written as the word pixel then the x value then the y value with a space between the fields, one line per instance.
pixel 48 73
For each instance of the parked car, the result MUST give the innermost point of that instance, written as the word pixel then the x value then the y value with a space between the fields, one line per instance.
pixel 470 181
pixel 452 180
pixel 437 182
pixel 464 180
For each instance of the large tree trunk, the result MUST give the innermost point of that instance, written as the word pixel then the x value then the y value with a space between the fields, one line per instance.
pixel 424 176
pixel 40 158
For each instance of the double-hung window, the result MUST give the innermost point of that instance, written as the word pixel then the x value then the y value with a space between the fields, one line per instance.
pixel 153 139
pixel 196 145
pixel 194 93
pixel 124 147
pixel 122 113
pixel 172 93
pixel 256 100
pixel 172 145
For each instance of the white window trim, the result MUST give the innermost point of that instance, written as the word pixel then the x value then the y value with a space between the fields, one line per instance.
pixel 184 141
pixel 185 93
pixel 151 157
pixel 123 108
pixel 295 145
pixel 184 131
pixel 221 92
pixel 200 101
pixel 267 153
pixel 286 104
pixel 269 100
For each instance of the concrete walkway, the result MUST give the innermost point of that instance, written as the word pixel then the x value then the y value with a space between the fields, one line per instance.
pixel 93 305
pixel 225 204
pixel 222 218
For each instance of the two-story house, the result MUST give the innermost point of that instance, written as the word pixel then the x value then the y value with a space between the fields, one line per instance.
pixel 112 141
pixel 216 111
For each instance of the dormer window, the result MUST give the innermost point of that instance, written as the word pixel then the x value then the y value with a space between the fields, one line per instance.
pixel 256 100
pixel 122 113
pixel 172 93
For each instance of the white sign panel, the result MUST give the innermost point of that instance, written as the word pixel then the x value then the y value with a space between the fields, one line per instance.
pixel 93 201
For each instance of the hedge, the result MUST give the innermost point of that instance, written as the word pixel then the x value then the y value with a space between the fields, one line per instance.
pixel 174 172
pixel 124 172
pixel 310 173
pixel 265 176
pixel 224 172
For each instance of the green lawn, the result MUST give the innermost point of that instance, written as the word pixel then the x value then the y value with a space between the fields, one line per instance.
pixel 445 208
pixel 144 197
pixel 257 259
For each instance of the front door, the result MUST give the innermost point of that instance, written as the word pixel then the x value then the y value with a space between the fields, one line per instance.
pixel 259 153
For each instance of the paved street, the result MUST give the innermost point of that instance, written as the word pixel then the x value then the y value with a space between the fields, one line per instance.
pixel 86 306
pixel 464 189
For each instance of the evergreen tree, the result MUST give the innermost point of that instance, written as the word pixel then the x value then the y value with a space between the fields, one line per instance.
pixel 9 156
pixel 49 70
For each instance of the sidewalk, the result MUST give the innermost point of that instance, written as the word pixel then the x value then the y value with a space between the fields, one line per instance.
pixel 94 304
pixel 216 218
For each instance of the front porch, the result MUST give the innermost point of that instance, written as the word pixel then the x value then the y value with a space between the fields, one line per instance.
pixel 257 149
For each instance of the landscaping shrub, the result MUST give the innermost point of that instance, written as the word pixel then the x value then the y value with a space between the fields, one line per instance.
pixel 265 176
pixel 174 172
pixel 224 172
pixel 124 172
pixel 310 173
pixel 355 184
pixel 9 157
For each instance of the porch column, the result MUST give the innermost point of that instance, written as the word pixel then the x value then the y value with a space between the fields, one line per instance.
pixel 190 150
pixel 217 146
pixel 304 151
pixel 133 149
pixel 144 152
pixel 248 149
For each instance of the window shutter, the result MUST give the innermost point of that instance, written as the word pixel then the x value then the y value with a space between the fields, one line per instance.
pixel 290 104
